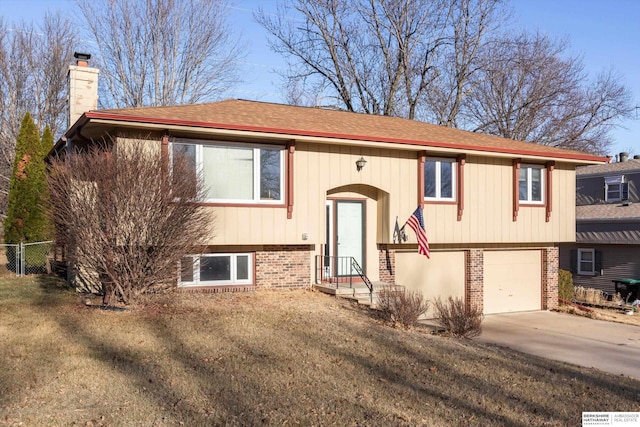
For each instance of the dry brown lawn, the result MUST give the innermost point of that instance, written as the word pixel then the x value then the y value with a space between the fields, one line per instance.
pixel 609 315
pixel 268 358
pixel 617 316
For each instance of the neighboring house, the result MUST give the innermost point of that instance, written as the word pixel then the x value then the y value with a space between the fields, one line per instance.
pixel 607 243
pixel 286 190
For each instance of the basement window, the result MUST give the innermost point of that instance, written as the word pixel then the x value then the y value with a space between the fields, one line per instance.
pixel 216 269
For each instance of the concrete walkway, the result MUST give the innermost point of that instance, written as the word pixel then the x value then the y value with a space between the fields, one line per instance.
pixel 610 347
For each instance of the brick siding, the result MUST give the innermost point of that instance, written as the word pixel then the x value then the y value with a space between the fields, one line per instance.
pixel 474 278
pixel 218 289
pixel 550 278
pixel 387 265
pixel 283 267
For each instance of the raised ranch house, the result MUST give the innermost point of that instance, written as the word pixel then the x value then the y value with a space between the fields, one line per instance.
pixel 607 243
pixel 292 197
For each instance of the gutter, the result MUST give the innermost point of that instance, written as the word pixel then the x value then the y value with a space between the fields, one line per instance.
pixel 608 220
pixel 69 134
pixel 111 117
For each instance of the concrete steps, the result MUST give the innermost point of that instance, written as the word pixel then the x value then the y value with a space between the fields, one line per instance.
pixel 357 291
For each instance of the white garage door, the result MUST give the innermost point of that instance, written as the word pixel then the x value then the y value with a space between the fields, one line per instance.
pixel 441 276
pixel 512 281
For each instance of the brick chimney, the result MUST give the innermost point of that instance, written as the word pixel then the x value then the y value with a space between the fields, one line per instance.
pixel 83 87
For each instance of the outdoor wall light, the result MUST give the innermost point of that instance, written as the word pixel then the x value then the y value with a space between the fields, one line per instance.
pixel 360 163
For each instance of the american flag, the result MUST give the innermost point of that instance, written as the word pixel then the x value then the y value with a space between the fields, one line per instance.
pixel 416 221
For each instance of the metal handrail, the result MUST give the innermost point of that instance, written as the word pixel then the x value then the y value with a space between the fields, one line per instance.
pixel 365 279
pixel 329 269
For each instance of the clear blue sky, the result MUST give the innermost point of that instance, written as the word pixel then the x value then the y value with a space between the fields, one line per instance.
pixel 606 33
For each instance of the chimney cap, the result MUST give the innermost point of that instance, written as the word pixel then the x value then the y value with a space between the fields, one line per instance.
pixel 82 56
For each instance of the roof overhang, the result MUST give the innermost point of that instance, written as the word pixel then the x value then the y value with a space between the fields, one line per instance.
pixel 126 121
pixel 629 237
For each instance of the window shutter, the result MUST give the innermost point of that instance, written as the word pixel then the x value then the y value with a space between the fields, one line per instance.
pixel 598 265
pixel 574 261
pixel 625 191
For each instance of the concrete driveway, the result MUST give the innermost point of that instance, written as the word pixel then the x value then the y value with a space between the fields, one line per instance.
pixel 610 347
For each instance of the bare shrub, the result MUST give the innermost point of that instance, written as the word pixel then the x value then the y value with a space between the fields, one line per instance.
pixel 457 318
pixel 590 295
pixel 617 299
pixel 125 218
pixel 401 306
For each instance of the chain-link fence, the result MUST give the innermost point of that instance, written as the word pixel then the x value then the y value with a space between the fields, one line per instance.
pixel 25 258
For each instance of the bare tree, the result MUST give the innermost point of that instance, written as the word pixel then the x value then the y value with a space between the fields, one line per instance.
pixel 162 52
pixel 529 89
pixel 445 61
pixel 472 27
pixel 374 56
pixel 34 60
pixel 127 217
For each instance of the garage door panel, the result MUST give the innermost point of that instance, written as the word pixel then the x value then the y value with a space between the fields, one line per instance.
pixel 512 281
pixel 441 276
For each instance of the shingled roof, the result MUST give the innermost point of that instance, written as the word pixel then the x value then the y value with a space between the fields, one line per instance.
pixel 609 168
pixel 608 212
pixel 608 224
pixel 256 116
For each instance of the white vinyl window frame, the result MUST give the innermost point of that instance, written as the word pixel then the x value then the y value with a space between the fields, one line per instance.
pixel 195 276
pixel 438 184
pixel 201 146
pixel 586 262
pixel 614 188
pixel 529 196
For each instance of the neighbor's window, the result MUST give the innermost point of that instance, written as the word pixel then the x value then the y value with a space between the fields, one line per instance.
pixel 616 189
pixel 530 184
pixel 216 269
pixel 237 174
pixel 586 261
pixel 439 179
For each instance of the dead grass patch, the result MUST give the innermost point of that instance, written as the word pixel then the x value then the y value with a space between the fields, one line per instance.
pixel 609 315
pixel 268 358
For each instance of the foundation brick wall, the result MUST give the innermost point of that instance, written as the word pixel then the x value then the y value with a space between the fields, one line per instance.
pixel 550 278
pixel 474 260
pixel 217 289
pixel 387 265
pixel 283 267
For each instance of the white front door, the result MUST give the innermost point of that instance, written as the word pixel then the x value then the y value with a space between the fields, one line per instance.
pixel 349 236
